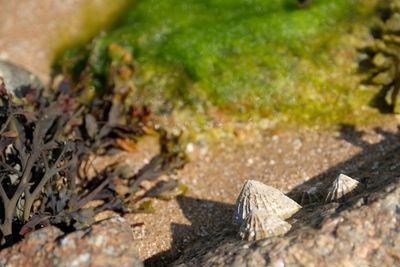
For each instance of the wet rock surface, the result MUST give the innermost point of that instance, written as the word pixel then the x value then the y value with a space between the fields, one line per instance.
pixel 105 243
pixel 363 230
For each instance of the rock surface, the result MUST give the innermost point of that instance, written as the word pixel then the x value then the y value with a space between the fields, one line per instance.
pixel 16 77
pixel 364 231
pixel 105 243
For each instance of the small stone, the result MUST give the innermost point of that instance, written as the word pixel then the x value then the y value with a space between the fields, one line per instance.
pixel 250 161
pixel 190 148
pixel 16 77
pixel 256 195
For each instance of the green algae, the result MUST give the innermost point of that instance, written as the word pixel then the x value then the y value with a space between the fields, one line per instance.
pixel 250 58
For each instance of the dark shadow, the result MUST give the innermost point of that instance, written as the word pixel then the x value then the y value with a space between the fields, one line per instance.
pixel 291 5
pixel 366 166
pixel 294 5
pixel 365 62
pixel 207 219
pixel 304 3
pixel 376 167
pixel 349 133
pixel 379 101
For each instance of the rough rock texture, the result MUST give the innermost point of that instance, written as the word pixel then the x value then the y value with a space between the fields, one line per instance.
pixel 364 231
pixel 105 243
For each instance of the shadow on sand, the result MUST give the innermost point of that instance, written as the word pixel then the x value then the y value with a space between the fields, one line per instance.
pixel 376 166
pixel 207 218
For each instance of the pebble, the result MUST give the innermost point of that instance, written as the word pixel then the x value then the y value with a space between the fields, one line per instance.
pixel 16 77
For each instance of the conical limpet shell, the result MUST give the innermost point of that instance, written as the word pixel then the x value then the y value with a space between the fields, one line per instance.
pixel 342 185
pixel 259 224
pixel 256 195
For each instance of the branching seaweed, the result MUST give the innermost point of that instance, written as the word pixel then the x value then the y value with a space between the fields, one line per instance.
pixel 31 155
pixel 38 167
pixel 113 115
pixel 384 59
pixel 45 140
pixel 172 156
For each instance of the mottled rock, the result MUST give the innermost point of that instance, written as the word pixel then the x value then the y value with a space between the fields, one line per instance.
pixel 16 77
pixel 364 231
pixel 105 243
pixel 256 195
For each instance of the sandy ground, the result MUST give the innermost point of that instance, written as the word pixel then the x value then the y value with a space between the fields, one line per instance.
pixel 219 167
pixel 31 31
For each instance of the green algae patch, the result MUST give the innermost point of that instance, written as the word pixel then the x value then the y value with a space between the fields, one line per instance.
pixel 248 58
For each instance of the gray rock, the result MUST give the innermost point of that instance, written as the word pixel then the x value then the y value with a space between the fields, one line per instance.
pixel 105 243
pixel 16 77
pixel 364 231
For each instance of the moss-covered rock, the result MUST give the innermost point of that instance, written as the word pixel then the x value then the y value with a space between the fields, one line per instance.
pixel 258 58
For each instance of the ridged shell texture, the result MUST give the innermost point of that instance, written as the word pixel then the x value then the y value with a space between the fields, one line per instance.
pixel 342 186
pixel 258 225
pixel 258 196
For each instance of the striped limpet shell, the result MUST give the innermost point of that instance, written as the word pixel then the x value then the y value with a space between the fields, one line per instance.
pixel 259 225
pixel 258 196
